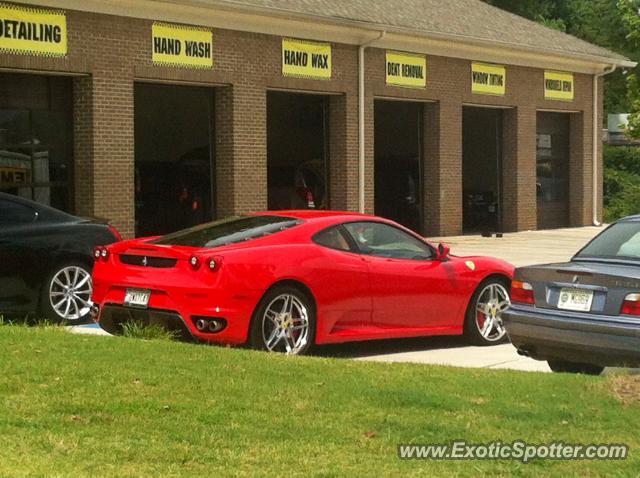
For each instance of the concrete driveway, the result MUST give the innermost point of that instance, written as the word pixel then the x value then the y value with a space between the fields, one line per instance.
pixel 520 249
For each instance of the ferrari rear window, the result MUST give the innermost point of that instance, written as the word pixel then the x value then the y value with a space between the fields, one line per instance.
pixel 620 241
pixel 228 231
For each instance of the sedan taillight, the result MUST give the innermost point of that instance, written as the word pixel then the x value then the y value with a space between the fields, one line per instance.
pixel 631 305
pixel 522 292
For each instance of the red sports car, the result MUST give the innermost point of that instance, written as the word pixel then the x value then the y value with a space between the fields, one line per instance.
pixel 287 280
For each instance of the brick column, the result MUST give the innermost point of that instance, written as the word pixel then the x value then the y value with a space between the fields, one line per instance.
pixel 519 202
pixel 442 171
pixel 83 145
pixel 343 152
pixel 241 149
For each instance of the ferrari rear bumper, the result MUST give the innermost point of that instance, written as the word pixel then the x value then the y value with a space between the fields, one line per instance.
pixel 577 337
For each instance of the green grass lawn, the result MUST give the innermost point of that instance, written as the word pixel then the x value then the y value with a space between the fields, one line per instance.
pixel 94 406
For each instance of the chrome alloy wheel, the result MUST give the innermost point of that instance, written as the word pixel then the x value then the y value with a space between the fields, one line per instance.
pixel 492 302
pixel 285 325
pixel 70 293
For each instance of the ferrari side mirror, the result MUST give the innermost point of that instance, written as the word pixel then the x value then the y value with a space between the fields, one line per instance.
pixel 443 252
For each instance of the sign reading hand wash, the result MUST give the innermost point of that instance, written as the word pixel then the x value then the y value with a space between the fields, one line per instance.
pixel 183 46
pixel 306 59
pixel 488 79
pixel 406 69
pixel 32 31
pixel 558 86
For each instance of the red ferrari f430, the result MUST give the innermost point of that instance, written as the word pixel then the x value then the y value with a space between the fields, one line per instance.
pixel 284 281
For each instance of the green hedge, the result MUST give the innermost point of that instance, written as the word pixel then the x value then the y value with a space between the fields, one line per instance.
pixel 621 182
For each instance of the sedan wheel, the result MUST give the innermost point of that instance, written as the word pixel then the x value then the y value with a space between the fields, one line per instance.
pixel 284 322
pixel 69 293
pixel 484 318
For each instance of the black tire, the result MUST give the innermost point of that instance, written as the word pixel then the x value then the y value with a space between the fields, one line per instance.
pixel 471 328
pixel 47 309
pixel 562 366
pixel 261 325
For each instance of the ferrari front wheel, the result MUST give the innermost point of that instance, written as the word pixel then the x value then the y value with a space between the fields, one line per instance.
pixel 284 322
pixel 483 322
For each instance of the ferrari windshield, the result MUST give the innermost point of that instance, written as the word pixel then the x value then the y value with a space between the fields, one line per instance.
pixel 228 231
pixel 620 241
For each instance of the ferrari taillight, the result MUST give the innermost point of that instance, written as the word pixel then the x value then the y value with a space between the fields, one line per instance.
pixel 631 305
pixel 100 253
pixel 194 261
pixel 522 292
pixel 214 263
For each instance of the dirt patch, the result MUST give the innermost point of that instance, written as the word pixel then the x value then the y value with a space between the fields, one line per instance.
pixel 626 388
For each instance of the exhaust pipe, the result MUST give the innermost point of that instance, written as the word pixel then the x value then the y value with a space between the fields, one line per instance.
pixel 201 325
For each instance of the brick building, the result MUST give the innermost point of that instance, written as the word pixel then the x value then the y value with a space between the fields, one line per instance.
pixel 449 117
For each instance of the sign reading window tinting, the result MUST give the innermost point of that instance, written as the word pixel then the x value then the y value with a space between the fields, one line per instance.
pixel 306 59
pixel 558 86
pixel 180 45
pixel 32 31
pixel 488 79
pixel 406 69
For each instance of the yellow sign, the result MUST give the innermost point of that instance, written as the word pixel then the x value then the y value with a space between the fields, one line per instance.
pixel 32 31
pixel 558 86
pixel 488 79
pixel 14 175
pixel 183 46
pixel 406 69
pixel 305 59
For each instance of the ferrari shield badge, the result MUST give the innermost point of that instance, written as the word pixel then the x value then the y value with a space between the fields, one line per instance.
pixel 471 265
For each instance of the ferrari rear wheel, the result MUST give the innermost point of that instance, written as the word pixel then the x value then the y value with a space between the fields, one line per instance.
pixel 284 322
pixel 483 322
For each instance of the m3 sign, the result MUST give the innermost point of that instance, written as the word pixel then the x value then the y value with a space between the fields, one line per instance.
pixel 305 59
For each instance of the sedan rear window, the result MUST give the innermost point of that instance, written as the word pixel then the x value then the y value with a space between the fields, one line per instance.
pixel 228 231
pixel 619 241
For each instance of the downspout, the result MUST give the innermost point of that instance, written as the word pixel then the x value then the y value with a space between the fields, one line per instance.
pixel 597 131
pixel 361 129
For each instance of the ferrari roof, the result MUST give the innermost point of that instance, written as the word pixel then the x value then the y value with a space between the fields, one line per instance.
pixel 314 214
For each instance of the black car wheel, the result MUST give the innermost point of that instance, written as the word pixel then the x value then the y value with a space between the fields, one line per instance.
pixel 563 366
pixel 284 321
pixel 66 294
pixel 483 321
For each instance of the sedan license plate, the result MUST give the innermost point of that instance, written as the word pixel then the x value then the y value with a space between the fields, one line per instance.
pixel 575 299
pixel 137 297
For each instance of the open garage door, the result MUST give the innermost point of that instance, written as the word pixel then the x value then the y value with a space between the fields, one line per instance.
pixel 173 157
pixel 398 162
pixel 482 169
pixel 552 167
pixel 297 151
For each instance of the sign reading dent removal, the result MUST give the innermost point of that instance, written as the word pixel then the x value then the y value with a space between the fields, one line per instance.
pixel 180 45
pixel 406 69
pixel 32 31
pixel 306 59
pixel 488 79
pixel 558 86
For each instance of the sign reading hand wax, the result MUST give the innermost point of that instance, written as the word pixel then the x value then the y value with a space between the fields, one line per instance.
pixel 406 69
pixel 488 79
pixel 179 45
pixel 35 31
pixel 305 59
pixel 558 86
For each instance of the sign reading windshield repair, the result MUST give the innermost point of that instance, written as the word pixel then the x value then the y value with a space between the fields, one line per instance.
pixel 558 86
pixel 183 46
pixel 488 79
pixel 406 69
pixel 305 59
pixel 32 31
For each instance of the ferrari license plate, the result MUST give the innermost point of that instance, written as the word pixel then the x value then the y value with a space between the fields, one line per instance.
pixel 575 299
pixel 137 297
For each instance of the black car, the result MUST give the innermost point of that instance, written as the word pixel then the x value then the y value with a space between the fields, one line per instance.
pixel 582 315
pixel 46 257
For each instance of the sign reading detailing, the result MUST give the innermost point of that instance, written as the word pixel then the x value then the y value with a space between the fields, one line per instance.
pixel 32 31
pixel 406 69
pixel 179 45
pixel 488 79
pixel 305 59
pixel 558 86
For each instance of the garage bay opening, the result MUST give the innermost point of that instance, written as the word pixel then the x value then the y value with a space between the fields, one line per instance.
pixel 173 157
pixel 297 151
pixel 398 162
pixel 552 167
pixel 482 169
